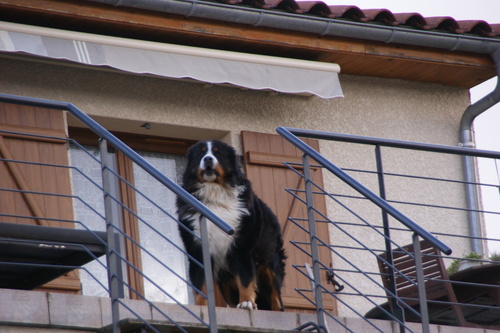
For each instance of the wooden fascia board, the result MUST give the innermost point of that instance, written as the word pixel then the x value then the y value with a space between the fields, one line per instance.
pixel 323 48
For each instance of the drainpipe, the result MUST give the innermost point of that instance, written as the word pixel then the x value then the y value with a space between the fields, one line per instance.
pixel 467 140
pixel 357 30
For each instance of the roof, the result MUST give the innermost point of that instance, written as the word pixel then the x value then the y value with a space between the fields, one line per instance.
pixel 379 16
pixel 278 28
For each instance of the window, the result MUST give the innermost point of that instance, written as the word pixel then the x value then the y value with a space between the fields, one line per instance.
pixel 144 217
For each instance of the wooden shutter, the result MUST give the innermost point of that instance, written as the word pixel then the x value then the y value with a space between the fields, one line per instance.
pixel 21 182
pixel 264 155
pixel 125 169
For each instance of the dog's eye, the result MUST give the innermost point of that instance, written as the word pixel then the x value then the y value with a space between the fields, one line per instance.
pixel 204 149
pixel 216 149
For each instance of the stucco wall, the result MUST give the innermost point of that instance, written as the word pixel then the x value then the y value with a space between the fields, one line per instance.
pixel 374 107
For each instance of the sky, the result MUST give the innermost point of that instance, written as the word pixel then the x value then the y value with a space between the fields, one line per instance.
pixel 487 125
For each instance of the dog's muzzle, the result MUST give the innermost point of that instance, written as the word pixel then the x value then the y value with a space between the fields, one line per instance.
pixel 208 169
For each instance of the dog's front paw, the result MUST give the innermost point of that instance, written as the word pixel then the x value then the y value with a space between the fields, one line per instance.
pixel 249 305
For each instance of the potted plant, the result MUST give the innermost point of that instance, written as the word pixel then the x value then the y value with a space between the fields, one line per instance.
pixel 462 263
pixel 495 256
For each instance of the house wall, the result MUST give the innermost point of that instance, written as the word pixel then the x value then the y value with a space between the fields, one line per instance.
pixel 376 107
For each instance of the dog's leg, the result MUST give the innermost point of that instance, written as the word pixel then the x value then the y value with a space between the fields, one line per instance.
pixel 269 289
pixel 219 297
pixel 247 294
pixel 199 299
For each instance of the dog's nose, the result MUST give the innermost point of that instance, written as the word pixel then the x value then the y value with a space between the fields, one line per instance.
pixel 208 161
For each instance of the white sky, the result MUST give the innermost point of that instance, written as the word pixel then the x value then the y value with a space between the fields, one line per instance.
pixel 487 125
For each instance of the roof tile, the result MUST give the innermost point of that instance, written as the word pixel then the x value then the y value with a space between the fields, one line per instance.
pixel 477 27
pixel 380 15
pixel 315 8
pixel 287 5
pixel 348 12
pixel 412 19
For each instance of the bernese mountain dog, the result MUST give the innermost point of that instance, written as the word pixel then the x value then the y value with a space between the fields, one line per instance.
pixel 249 265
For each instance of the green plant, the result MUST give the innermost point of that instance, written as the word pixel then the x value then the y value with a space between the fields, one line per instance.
pixel 495 256
pixel 455 264
pixel 473 255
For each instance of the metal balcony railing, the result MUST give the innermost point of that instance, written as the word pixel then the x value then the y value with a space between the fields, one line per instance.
pixel 390 266
pixel 370 231
pixel 99 231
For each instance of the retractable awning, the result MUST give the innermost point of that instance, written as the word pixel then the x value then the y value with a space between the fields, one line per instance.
pixel 175 61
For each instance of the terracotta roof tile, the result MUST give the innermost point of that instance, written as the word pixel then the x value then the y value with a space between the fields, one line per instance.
pixel 495 29
pixel 444 23
pixel 380 16
pixel 412 19
pixel 287 5
pixel 348 12
pixel 315 8
pixel 477 27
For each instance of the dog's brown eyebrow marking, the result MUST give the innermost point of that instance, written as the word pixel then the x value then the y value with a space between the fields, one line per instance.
pixel 216 149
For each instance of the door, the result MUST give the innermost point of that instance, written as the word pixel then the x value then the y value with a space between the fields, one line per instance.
pixel 264 155
pixel 33 149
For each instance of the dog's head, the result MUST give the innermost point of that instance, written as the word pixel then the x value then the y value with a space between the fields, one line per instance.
pixel 212 161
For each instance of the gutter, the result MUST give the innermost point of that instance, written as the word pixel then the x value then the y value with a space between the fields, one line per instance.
pixel 348 29
pixel 311 24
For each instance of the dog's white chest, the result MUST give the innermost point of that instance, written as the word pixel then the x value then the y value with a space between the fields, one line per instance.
pixel 225 203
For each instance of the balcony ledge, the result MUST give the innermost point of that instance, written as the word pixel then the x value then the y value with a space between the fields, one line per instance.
pixel 47 312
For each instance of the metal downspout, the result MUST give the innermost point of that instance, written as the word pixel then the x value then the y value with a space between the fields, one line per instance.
pixel 470 170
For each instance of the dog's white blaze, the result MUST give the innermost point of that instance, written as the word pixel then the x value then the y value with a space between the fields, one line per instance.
pixel 223 202
pixel 208 154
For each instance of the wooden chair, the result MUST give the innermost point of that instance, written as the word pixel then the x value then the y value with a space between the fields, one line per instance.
pixel 438 286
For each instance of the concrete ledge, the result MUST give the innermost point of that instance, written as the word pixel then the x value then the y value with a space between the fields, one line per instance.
pixel 24 307
pixel 32 311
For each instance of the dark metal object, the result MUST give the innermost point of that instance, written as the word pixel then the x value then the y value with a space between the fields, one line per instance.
pixel 32 255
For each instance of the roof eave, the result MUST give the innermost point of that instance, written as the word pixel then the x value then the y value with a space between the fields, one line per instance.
pixel 314 25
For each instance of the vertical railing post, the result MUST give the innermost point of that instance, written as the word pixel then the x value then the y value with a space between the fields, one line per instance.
pixel 114 276
pixel 397 310
pixel 318 294
pixel 422 294
pixel 209 281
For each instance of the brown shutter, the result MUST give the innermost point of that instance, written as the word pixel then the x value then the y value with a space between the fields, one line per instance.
pixel 19 182
pixel 264 155
pixel 125 168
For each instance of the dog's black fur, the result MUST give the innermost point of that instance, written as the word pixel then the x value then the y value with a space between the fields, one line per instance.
pixel 249 265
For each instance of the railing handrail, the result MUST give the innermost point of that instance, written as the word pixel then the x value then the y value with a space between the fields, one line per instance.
pixel 126 150
pixel 291 134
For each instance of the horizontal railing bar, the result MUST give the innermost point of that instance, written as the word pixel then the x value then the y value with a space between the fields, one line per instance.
pixel 360 225
pixel 393 143
pixel 406 203
pixel 291 165
pixel 383 204
pixel 126 150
